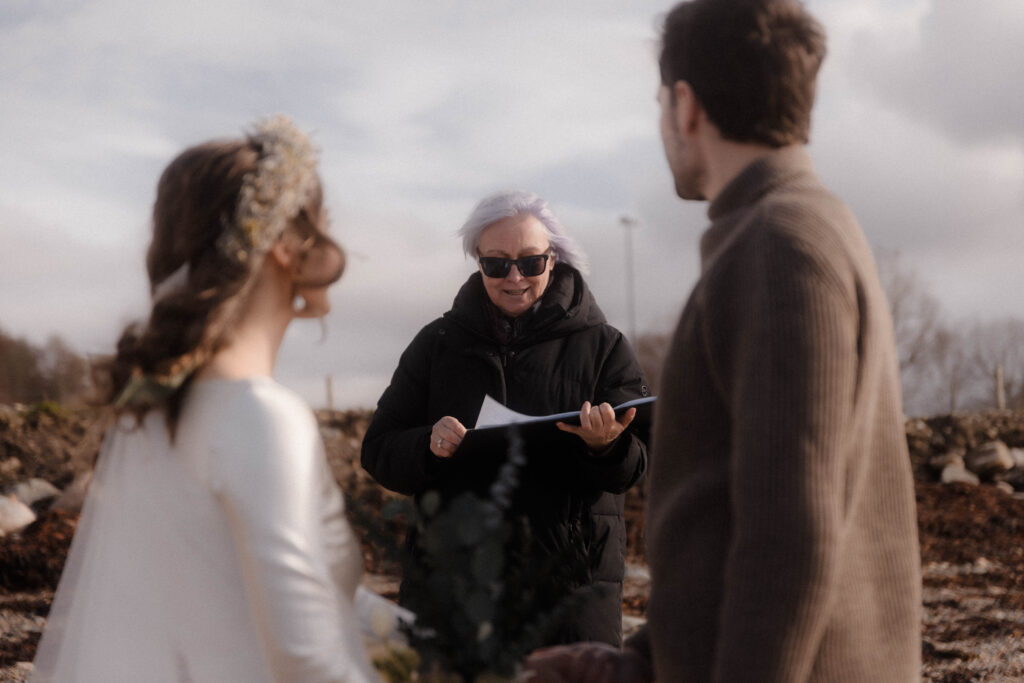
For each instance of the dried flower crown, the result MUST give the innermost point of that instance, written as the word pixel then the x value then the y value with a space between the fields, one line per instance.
pixel 271 196
pixel 275 192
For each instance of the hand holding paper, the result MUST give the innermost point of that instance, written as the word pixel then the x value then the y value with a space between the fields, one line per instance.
pixel 445 436
pixel 598 426
pixel 495 419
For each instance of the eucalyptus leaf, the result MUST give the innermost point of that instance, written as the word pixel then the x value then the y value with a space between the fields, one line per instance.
pixel 470 530
pixel 430 503
pixel 488 562
pixel 479 608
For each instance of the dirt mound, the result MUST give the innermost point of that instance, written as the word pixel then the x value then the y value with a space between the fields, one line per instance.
pixel 48 442
pixel 933 436
pixel 972 536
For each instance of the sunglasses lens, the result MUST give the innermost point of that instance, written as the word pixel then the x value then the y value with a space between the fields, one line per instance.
pixel 495 267
pixel 531 266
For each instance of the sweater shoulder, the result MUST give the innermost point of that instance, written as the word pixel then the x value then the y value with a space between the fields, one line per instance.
pixel 804 235
pixel 804 213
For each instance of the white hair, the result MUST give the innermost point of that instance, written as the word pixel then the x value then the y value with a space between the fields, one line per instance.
pixel 492 209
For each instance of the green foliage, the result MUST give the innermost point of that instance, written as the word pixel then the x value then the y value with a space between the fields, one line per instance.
pixel 397 665
pixel 485 589
pixel 473 587
pixel 45 407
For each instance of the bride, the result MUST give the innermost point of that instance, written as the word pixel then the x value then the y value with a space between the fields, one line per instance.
pixel 213 545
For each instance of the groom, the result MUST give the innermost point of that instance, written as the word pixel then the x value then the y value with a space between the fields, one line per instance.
pixel 781 519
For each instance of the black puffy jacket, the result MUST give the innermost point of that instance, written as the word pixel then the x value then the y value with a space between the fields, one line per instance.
pixel 551 360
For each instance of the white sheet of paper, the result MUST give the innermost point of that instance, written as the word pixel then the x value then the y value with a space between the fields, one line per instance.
pixel 493 414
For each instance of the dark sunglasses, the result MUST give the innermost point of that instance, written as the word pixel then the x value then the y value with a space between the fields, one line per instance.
pixel 529 266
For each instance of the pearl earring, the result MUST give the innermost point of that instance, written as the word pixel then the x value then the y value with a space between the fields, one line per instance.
pixel 299 304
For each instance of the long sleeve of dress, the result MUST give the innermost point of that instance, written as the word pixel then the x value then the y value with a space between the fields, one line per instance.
pixel 284 513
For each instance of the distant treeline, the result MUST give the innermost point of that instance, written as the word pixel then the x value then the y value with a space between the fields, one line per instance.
pixel 946 365
pixel 951 365
pixel 30 373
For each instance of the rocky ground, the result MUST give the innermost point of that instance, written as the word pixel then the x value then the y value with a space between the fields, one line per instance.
pixel 972 534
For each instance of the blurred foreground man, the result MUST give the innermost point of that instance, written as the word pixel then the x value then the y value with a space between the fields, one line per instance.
pixel 781 525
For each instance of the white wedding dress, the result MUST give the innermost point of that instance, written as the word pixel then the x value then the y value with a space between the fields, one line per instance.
pixel 224 557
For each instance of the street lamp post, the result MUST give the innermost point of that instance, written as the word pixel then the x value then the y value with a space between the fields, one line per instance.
pixel 628 223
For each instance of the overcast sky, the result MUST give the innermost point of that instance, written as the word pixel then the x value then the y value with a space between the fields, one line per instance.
pixel 423 108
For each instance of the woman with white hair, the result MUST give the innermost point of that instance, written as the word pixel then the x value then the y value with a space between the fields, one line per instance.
pixel 525 330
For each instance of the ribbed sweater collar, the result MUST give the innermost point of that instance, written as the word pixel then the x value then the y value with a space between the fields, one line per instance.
pixel 776 169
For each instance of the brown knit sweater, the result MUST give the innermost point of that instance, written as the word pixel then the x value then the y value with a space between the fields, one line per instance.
pixel 781 524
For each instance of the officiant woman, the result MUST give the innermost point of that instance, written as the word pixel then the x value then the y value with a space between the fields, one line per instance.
pixel 526 330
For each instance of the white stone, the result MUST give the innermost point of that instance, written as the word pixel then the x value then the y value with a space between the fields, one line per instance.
pixel 33 490
pixel 10 466
pixel 954 473
pixel 1004 486
pixel 1018 457
pixel 631 624
pixel 954 457
pixel 989 458
pixel 639 572
pixel 73 496
pixel 14 515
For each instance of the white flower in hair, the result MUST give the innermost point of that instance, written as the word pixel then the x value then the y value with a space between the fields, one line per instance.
pixel 275 191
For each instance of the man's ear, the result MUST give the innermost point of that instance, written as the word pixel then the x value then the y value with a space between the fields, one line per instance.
pixel 688 109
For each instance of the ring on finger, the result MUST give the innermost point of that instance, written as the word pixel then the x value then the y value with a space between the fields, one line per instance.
pixel 440 442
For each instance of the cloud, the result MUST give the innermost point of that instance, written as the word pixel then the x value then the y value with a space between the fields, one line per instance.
pixel 956 66
pixel 86 292
pixel 912 186
pixel 423 108
pixel 917 129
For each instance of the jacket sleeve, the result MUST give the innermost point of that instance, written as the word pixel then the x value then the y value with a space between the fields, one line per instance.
pixel 270 480
pixel 396 448
pixel 787 362
pixel 621 379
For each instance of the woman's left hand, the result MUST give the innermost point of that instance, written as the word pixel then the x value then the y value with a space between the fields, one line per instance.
pixel 598 427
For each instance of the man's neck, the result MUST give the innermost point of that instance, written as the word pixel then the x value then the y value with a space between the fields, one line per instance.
pixel 726 160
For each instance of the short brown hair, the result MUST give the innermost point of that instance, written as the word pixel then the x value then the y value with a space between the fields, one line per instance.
pixel 751 63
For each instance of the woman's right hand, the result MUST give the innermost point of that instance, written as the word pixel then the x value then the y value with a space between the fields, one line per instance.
pixel 446 436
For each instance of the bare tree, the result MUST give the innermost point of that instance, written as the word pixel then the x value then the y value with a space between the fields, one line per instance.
pixel 21 379
pixel 29 374
pixel 951 366
pixel 998 345
pixel 916 314
pixel 917 328
pixel 651 349
pixel 66 372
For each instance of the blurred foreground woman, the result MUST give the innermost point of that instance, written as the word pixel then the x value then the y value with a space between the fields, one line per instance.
pixel 213 544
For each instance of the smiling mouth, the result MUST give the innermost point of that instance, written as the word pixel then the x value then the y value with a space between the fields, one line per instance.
pixel 516 292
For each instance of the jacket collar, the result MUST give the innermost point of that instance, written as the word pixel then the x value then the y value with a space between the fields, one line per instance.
pixel 567 305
